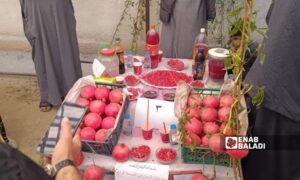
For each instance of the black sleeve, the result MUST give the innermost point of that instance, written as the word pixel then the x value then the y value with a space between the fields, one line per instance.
pixel 16 166
pixel 166 10
pixel 210 9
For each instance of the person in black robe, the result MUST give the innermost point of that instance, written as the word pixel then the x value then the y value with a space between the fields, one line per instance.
pixel 277 121
pixel 50 27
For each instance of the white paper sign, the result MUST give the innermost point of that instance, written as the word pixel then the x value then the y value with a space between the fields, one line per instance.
pixel 131 170
pixel 159 112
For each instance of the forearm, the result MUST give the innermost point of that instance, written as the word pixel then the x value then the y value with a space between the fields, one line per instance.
pixel 68 173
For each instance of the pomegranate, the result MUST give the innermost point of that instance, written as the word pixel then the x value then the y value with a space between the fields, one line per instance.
pixel 194 125
pixel 205 141
pixel 88 92
pixel 101 93
pixel 120 152
pixel 194 112
pixel 190 137
pixel 211 102
pixel 209 115
pixel 211 128
pixel 79 159
pixel 93 172
pixel 116 96
pixel 217 143
pixel 82 102
pixel 223 114
pixel 199 177
pixel 194 100
pixel 87 133
pixel 108 122
pixel 97 106
pixel 237 153
pixel 226 101
pixel 100 135
pixel 112 109
pixel 228 130
pixel 93 120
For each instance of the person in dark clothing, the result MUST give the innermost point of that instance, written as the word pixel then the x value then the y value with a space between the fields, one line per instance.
pixel 50 28
pixel 278 119
pixel 16 166
pixel 251 52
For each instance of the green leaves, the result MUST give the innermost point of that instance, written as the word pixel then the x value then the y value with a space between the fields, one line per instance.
pixel 257 100
pixel 235 12
pixel 262 56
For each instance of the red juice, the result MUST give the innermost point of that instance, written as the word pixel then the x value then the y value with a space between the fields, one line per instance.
pixel 152 40
pixel 216 69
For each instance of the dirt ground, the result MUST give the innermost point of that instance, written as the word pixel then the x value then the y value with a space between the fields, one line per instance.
pixel 19 100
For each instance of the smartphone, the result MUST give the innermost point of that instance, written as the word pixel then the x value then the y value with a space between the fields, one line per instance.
pixel 75 115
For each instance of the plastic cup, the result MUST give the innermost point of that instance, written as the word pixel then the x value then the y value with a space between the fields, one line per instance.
pixel 120 79
pixel 137 67
pixel 160 55
pixel 147 133
pixel 164 135
pixel 154 61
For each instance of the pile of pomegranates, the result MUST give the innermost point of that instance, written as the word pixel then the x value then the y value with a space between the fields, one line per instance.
pixel 103 106
pixel 207 123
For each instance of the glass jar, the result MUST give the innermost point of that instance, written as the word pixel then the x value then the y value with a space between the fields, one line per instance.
pixel 216 68
pixel 109 59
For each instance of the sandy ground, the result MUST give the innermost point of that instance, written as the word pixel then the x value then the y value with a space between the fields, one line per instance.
pixel 19 99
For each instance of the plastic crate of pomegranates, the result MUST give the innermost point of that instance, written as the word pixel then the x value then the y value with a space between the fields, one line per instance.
pixel 204 126
pixel 102 124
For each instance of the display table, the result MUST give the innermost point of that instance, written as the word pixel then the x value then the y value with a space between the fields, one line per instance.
pixel 177 167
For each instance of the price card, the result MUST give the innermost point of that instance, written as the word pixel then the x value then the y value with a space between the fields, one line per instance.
pixel 131 170
pixel 159 111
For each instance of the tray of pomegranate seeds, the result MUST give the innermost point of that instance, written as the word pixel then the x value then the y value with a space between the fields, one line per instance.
pixel 165 78
pixel 131 80
pixel 176 64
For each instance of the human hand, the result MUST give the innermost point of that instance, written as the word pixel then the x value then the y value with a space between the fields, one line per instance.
pixel 67 147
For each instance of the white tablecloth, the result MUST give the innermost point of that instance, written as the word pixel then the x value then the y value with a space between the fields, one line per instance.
pixel 108 163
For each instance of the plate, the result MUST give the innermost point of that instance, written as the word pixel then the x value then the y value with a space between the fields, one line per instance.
pixel 133 83
pixel 185 65
pixel 169 80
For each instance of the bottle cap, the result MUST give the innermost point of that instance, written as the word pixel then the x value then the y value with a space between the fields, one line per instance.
pixel 147 53
pixel 152 26
pixel 201 50
pixel 173 127
pixel 129 52
pixel 107 51
pixel 126 116
pixel 202 30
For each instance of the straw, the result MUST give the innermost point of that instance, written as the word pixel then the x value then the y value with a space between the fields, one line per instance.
pixel 165 127
pixel 147 126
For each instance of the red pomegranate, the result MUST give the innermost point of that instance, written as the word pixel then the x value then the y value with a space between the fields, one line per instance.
pixel 120 152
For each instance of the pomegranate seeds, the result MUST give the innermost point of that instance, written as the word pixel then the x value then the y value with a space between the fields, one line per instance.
pixel 197 84
pixel 166 155
pixel 175 64
pixel 166 78
pixel 131 80
pixel 135 93
pixel 140 153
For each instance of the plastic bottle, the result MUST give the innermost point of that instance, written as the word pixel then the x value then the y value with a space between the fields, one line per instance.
pixel 147 61
pixel 200 42
pixel 152 40
pixel 127 126
pixel 173 134
pixel 110 60
pixel 198 71
pixel 129 59
pixel 120 53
